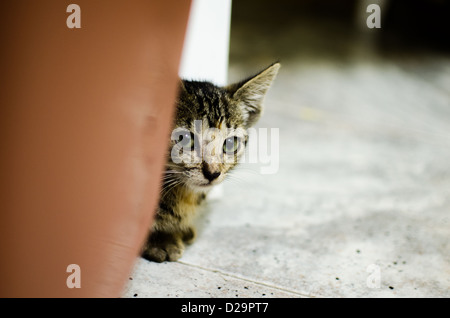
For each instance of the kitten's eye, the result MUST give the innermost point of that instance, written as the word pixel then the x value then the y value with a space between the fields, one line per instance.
pixel 187 140
pixel 231 145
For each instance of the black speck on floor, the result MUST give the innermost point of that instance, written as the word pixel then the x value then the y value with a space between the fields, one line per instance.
pixel 135 295
pixel 390 287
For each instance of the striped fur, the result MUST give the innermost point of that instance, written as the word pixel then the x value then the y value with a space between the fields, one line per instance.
pixel 217 118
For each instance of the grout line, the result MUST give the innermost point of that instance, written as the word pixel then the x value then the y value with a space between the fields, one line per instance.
pixel 216 271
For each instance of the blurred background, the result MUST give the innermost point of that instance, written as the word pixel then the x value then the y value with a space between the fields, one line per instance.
pixel 364 119
pixel 331 30
pixel 364 170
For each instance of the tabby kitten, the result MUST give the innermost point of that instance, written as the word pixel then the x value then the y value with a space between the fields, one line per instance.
pixel 210 136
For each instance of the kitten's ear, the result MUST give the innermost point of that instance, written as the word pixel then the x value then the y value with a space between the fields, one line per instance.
pixel 250 93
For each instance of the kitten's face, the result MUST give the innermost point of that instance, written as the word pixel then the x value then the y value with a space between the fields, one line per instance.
pixel 211 125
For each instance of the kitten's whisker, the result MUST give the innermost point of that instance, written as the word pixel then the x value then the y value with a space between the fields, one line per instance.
pixel 236 179
pixel 168 181
pixel 168 177
pixel 167 187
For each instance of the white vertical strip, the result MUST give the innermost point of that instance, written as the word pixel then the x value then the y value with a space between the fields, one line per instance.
pixel 206 47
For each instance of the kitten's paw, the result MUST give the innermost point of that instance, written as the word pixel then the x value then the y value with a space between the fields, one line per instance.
pixel 163 247
pixel 160 254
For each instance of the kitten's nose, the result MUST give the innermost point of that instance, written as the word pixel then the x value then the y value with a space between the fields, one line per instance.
pixel 208 174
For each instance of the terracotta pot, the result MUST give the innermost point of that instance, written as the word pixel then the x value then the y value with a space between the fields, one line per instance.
pixel 84 123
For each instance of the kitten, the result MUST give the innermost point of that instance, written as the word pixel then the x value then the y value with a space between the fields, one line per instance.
pixel 210 136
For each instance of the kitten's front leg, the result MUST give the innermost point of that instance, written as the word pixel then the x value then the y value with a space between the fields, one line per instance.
pixel 170 231
pixel 189 235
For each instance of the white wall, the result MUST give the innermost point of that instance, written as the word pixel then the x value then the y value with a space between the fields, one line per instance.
pixel 206 47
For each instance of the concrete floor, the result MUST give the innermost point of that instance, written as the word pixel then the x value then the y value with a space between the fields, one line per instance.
pixel 360 204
